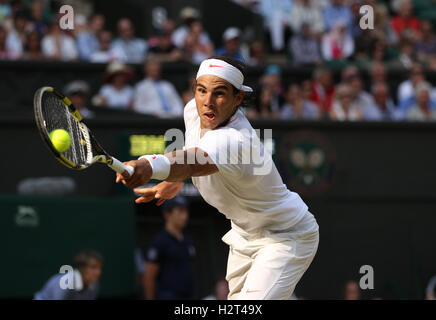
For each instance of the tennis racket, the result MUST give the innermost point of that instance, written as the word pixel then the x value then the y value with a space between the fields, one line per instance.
pixel 53 111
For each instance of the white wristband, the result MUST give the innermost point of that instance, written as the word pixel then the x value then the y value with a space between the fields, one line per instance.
pixel 159 164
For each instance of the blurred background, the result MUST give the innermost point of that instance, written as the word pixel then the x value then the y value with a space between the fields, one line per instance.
pixel 351 110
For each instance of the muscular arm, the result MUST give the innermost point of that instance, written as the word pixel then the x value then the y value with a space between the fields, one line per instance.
pixel 188 163
pixel 184 169
pixel 151 272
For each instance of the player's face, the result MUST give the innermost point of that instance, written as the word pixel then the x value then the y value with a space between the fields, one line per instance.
pixel 216 101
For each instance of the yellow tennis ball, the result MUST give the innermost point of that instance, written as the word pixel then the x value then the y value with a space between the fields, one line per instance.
pixel 61 139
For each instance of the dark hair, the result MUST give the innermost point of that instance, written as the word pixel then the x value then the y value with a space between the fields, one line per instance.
pixel 241 66
pixel 84 258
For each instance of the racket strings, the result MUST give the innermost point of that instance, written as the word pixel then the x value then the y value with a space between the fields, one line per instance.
pixel 57 116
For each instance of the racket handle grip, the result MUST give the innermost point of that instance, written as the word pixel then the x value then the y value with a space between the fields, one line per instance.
pixel 120 167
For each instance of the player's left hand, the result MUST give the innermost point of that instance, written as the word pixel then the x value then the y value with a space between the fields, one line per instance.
pixel 141 176
pixel 162 191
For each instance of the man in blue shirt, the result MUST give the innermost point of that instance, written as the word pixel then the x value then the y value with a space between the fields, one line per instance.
pixel 84 285
pixel 169 270
pixel 337 11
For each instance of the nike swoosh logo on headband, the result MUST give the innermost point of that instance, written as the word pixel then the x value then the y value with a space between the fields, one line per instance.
pixel 214 66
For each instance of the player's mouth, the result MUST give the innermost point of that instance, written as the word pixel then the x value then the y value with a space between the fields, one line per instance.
pixel 209 116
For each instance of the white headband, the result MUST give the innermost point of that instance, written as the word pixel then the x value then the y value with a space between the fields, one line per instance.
pixel 223 70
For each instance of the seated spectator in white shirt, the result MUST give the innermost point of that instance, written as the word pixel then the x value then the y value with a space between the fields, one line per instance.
pixel 17 35
pixel 343 108
pixel 116 93
pixel 105 53
pixel 133 48
pixel 337 44
pixel 156 97
pixel 5 53
pixel 298 108
pixel 384 109
pixel 422 110
pixel 58 45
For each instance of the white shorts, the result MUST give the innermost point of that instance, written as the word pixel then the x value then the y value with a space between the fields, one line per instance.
pixel 268 265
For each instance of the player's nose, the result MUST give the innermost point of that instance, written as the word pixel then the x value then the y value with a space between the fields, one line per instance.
pixel 208 101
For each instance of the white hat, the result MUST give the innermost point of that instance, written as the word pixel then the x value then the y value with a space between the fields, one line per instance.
pixel 231 33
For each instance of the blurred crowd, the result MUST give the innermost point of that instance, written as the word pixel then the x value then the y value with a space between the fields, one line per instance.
pixel 319 35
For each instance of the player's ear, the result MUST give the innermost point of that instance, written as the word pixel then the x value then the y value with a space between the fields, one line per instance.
pixel 240 97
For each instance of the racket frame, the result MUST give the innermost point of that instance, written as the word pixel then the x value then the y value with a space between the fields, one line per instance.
pixel 102 156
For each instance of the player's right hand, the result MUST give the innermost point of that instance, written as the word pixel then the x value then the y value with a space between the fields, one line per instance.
pixel 141 176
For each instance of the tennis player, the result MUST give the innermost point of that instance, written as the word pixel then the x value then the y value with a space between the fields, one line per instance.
pixel 274 237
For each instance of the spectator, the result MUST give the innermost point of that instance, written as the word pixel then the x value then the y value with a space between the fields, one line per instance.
pixel 134 49
pixel 87 272
pixel 105 52
pixel 343 108
pixel 337 44
pixel 384 109
pixel 348 73
pixel 257 54
pixel 5 11
pixel 231 48
pixel 406 88
pixel 337 11
pixel 351 291
pixel 426 45
pixel 379 51
pixel 306 12
pixel 406 57
pixel 422 110
pixel 378 73
pixel 117 93
pixel 169 270
pixel 4 52
pixel 32 47
pixel 362 99
pixel 276 18
pixel 382 27
pixel 58 45
pixel 196 47
pixel 87 37
pixel 430 292
pixel 188 94
pixel 39 23
pixel 164 50
pixel 189 16
pixel 221 291
pixel 78 92
pixel 323 89
pixel 271 96
pixel 304 48
pixel 17 35
pixel 156 97
pixel 297 107
pixel 405 24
